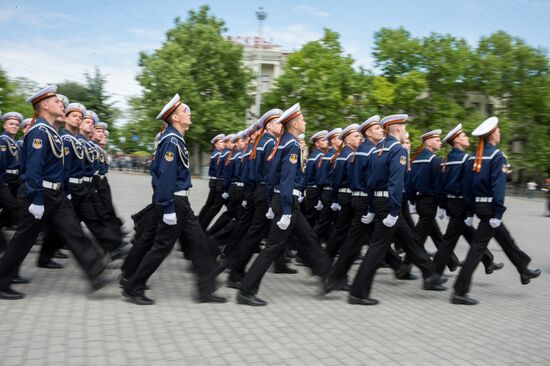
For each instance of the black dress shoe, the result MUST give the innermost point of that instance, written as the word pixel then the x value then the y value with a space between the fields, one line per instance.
pixel 403 270
pixel 211 298
pixel 98 282
pixel 493 267
pixel 122 281
pixel 233 284
pixel 345 287
pixel 330 284
pixel 529 274
pixel 251 300
pixel 458 299
pixel 50 265
pixel 18 280
pixel 284 270
pixel 138 299
pixel 60 255
pixel 433 283
pixel 407 277
pixel 358 301
pixel 10 294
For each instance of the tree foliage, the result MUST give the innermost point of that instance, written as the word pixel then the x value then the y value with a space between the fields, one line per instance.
pixel 206 70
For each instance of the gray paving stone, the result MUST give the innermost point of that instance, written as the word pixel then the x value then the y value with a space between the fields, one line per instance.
pixel 58 324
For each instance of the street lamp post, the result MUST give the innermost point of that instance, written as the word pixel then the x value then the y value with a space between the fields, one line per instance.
pixel 260 15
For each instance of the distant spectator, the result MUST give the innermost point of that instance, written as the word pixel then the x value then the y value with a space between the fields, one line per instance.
pixel 546 189
pixel 531 189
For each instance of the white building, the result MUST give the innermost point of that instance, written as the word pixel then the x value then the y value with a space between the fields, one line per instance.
pixel 271 57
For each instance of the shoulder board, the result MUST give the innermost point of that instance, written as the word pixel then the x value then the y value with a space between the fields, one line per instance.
pixel 265 144
pixel 289 143
pixel 214 155
pixel 247 153
pixel 418 161
pixel 236 156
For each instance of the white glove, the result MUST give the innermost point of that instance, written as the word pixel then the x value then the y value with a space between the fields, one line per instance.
pixel 318 206
pixel 270 214
pixel 244 204
pixel 69 197
pixel 469 221
pixel 335 206
pixel 170 219
pixel 36 210
pixel 225 195
pixel 284 222
pixel 367 219
pixel 495 223
pixel 412 209
pixel 441 213
pixel 300 199
pixel 390 220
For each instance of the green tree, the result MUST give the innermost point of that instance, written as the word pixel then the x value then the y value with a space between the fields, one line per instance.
pixel 93 96
pixel 13 95
pixel 197 62
pixel 322 79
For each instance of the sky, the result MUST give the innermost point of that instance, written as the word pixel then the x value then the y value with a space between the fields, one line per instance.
pixel 53 41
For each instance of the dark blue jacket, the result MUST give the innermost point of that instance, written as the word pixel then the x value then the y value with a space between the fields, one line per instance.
pixel 170 169
pixel 359 173
pixel 387 166
pixel 41 159
pixel 9 155
pixel 286 172
pixel 489 182
pixel 452 178
pixel 424 176
pixel 74 159
pixel 342 168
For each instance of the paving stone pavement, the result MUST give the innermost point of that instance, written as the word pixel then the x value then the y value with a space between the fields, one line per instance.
pixel 58 324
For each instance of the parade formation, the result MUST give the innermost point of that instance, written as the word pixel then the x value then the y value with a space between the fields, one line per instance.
pixel 356 187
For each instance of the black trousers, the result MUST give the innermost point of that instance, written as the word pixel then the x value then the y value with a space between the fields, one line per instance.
pixel 8 204
pixel 188 229
pixel 456 228
pixel 426 207
pixel 145 227
pixel 230 240
pixel 257 230
pixel 59 215
pixel 382 237
pixel 106 231
pixel 106 198
pixel 324 225
pixel 341 226
pixel 310 201
pixel 308 248
pixel 358 235
pixel 482 236
pixel 234 207
pixel 213 204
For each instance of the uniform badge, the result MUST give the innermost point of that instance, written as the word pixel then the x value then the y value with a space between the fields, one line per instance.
pixel 403 160
pixel 3 148
pixel 37 143
pixel 293 158
pixel 505 168
pixel 169 156
pixel 66 149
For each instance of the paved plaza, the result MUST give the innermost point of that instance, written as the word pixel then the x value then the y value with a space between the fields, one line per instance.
pixel 59 324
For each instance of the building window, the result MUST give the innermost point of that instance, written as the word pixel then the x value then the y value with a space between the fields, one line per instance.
pixel 266 83
pixel 490 108
pixel 477 106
